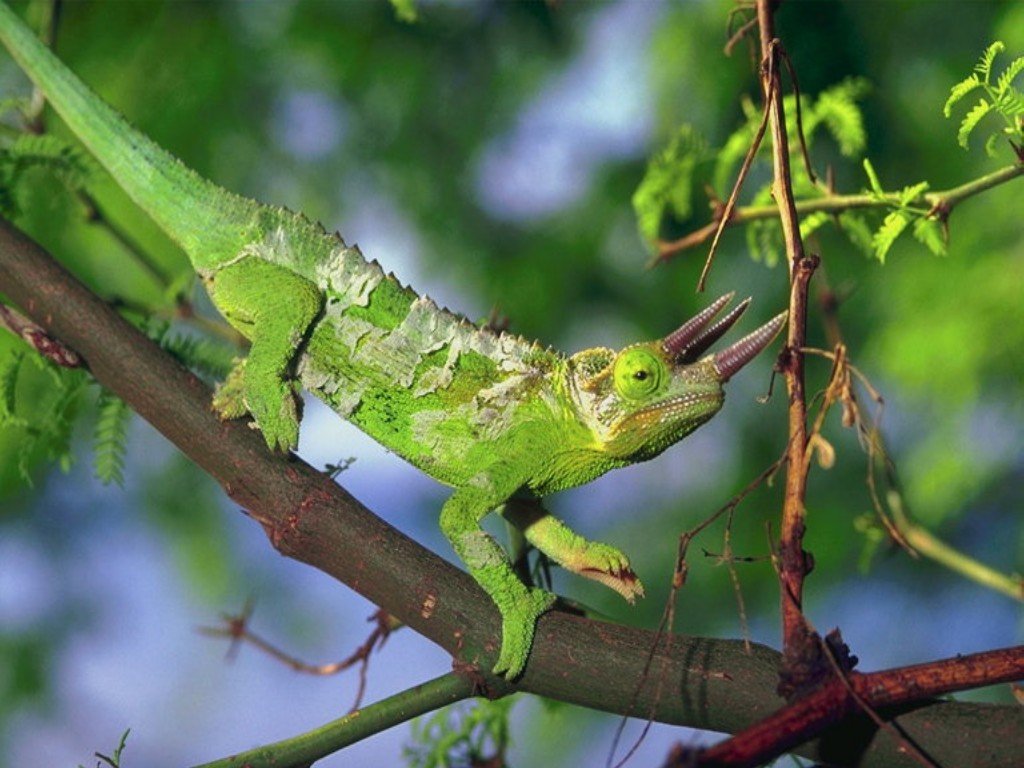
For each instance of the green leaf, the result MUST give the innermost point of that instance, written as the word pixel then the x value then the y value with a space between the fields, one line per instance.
pixel 958 91
pixel 910 194
pixel 209 358
pixel 876 185
pixel 929 232
pixel 1010 103
pixel 984 65
pixel 1004 83
pixel 813 222
pixel 109 437
pixel 764 239
pixel 990 144
pixel 9 367
pixel 837 108
pixel 892 227
pixel 857 229
pixel 971 120
pixel 667 181
pixel 405 10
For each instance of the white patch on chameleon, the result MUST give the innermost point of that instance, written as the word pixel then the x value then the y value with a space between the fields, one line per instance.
pixel 479 550
pixel 349 279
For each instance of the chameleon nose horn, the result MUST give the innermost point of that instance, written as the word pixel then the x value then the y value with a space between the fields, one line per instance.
pixel 697 334
pixel 732 358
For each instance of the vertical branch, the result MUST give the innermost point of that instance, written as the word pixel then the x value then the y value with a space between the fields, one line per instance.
pixel 794 563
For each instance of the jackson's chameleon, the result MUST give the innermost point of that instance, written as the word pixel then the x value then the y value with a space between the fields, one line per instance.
pixel 491 414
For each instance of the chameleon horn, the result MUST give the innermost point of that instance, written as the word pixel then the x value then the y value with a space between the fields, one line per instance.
pixel 713 333
pixel 732 358
pixel 675 343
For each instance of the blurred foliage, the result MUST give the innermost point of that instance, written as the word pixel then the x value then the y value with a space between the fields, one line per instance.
pixel 348 113
pixel 462 736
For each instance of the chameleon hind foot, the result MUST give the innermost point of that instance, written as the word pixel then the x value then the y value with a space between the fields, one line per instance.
pixel 229 396
pixel 518 624
pixel 274 404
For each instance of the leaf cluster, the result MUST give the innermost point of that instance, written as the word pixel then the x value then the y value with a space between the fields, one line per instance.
pixel 1000 98
pixel 462 735
pixel 70 165
pixel 39 401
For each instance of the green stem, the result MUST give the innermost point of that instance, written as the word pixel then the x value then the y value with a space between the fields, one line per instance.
pixel 925 543
pixel 306 748
pixel 942 201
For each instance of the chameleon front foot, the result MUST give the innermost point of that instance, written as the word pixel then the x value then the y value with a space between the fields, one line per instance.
pixel 607 565
pixel 518 625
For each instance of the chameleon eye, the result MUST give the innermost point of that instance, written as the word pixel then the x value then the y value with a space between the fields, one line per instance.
pixel 638 373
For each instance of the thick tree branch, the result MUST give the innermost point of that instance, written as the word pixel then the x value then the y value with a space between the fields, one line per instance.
pixel 704 683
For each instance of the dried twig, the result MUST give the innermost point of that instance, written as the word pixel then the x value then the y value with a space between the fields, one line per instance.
pixel 236 627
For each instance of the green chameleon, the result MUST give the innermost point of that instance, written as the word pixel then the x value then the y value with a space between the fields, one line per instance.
pixel 497 417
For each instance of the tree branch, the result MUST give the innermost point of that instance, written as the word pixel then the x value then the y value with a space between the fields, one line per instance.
pixel 303 750
pixel 839 699
pixel 706 683
pixel 943 202
pixel 794 562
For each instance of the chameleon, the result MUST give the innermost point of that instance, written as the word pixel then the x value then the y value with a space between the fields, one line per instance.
pixel 502 420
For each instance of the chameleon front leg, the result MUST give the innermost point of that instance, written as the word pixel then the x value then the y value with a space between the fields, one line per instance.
pixel 520 606
pixel 600 562
pixel 274 307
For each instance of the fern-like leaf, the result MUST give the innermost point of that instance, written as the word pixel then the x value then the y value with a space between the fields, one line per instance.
pixel 984 65
pixel 764 240
pixel 958 91
pixel 971 121
pixel 928 232
pixel 1010 103
pixel 1005 80
pixel 207 357
pixel 10 366
pixel 813 222
pixel 857 229
pixel 837 108
pixel 910 194
pixel 666 184
pixel 109 437
pixel 892 227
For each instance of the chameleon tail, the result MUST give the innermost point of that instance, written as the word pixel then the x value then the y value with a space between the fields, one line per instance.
pixel 207 221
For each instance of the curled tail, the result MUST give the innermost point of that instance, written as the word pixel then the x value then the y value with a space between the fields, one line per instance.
pixel 208 222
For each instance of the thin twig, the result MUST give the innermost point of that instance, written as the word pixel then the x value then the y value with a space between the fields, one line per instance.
pixel 730 204
pixel 941 202
pixel 667 622
pixel 794 562
pixel 236 627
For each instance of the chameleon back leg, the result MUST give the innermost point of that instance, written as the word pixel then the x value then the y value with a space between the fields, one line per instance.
pixel 274 307
pixel 520 606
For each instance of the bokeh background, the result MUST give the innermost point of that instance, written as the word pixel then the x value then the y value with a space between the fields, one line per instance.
pixel 487 155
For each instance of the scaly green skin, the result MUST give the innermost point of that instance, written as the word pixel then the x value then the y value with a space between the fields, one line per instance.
pixel 496 417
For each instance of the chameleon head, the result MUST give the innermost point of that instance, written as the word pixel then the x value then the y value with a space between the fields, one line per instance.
pixel 642 399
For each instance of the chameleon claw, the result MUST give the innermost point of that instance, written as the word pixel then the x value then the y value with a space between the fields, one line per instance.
pixel 624 581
